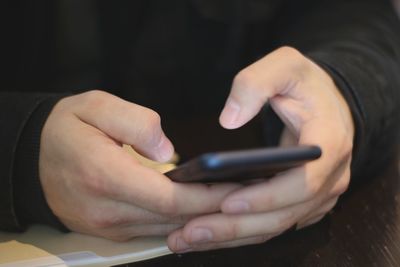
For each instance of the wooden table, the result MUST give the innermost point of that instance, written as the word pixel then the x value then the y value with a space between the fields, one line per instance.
pixel 363 230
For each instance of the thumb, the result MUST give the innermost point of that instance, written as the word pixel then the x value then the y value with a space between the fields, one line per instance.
pixel 253 86
pixel 127 123
pixel 244 101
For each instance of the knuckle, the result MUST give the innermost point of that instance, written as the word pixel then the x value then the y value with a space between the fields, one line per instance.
pixel 168 208
pixel 312 189
pixel 289 50
pixel 341 186
pixel 318 219
pixel 342 189
pixel 152 126
pixel 263 203
pixel 295 55
pixel 286 221
pixel 120 236
pixel 95 184
pixel 103 218
pixel 96 219
pixel 346 181
pixel 153 120
pixel 300 64
pixel 232 231
pixel 329 207
pixel 245 80
pixel 342 146
pixel 269 200
pixel 96 98
pixel 347 148
pixel 92 173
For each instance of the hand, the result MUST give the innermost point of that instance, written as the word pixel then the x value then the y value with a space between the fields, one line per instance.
pixel 96 187
pixel 314 112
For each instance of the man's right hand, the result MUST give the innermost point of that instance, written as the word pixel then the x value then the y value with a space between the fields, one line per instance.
pixel 94 186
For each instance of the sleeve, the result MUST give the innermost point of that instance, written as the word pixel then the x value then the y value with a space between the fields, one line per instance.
pixel 22 116
pixel 358 43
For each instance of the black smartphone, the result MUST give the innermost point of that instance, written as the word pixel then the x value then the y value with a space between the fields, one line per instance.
pixel 243 164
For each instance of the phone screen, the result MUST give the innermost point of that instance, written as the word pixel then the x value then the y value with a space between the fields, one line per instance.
pixel 243 164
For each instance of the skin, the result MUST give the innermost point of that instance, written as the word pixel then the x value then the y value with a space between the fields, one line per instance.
pixel 314 112
pixel 96 187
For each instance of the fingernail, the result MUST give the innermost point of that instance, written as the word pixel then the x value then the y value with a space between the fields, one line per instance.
pixel 230 114
pixel 200 235
pixel 181 245
pixel 237 206
pixel 164 149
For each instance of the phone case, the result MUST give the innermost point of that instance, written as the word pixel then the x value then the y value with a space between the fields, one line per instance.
pixel 243 164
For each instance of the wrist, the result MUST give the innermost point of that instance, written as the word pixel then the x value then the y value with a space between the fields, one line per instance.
pixel 31 206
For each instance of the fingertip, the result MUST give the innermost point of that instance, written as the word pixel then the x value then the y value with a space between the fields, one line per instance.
pixel 176 243
pixel 164 150
pixel 229 117
pixel 235 115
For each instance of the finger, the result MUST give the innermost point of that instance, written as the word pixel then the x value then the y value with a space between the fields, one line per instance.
pixel 281 191
pixel 127 181
pixel 288 138
pixel 306 118
pixel 177 244
pixel 318 213
pixel 295 186
pixel 253 86
pixel 105 214
pixel 311 221
pixel 224 227
pixel 128 232
pixel 235 243
pixel 148 230
pixel 136 215
pixel 126 122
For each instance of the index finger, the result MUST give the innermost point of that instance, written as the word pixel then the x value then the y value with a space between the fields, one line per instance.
pixel 128 181
pixel 252 87
pixel 294 186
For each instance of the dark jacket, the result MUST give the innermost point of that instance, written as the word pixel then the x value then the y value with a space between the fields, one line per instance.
pixel 175 56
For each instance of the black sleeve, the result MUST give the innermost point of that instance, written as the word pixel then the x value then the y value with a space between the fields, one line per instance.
pixel 22 116
pixel 358 43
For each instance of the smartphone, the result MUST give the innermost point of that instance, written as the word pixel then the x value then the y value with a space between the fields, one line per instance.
pixel 242 165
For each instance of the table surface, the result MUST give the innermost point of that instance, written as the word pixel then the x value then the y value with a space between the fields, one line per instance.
pixel 363 229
